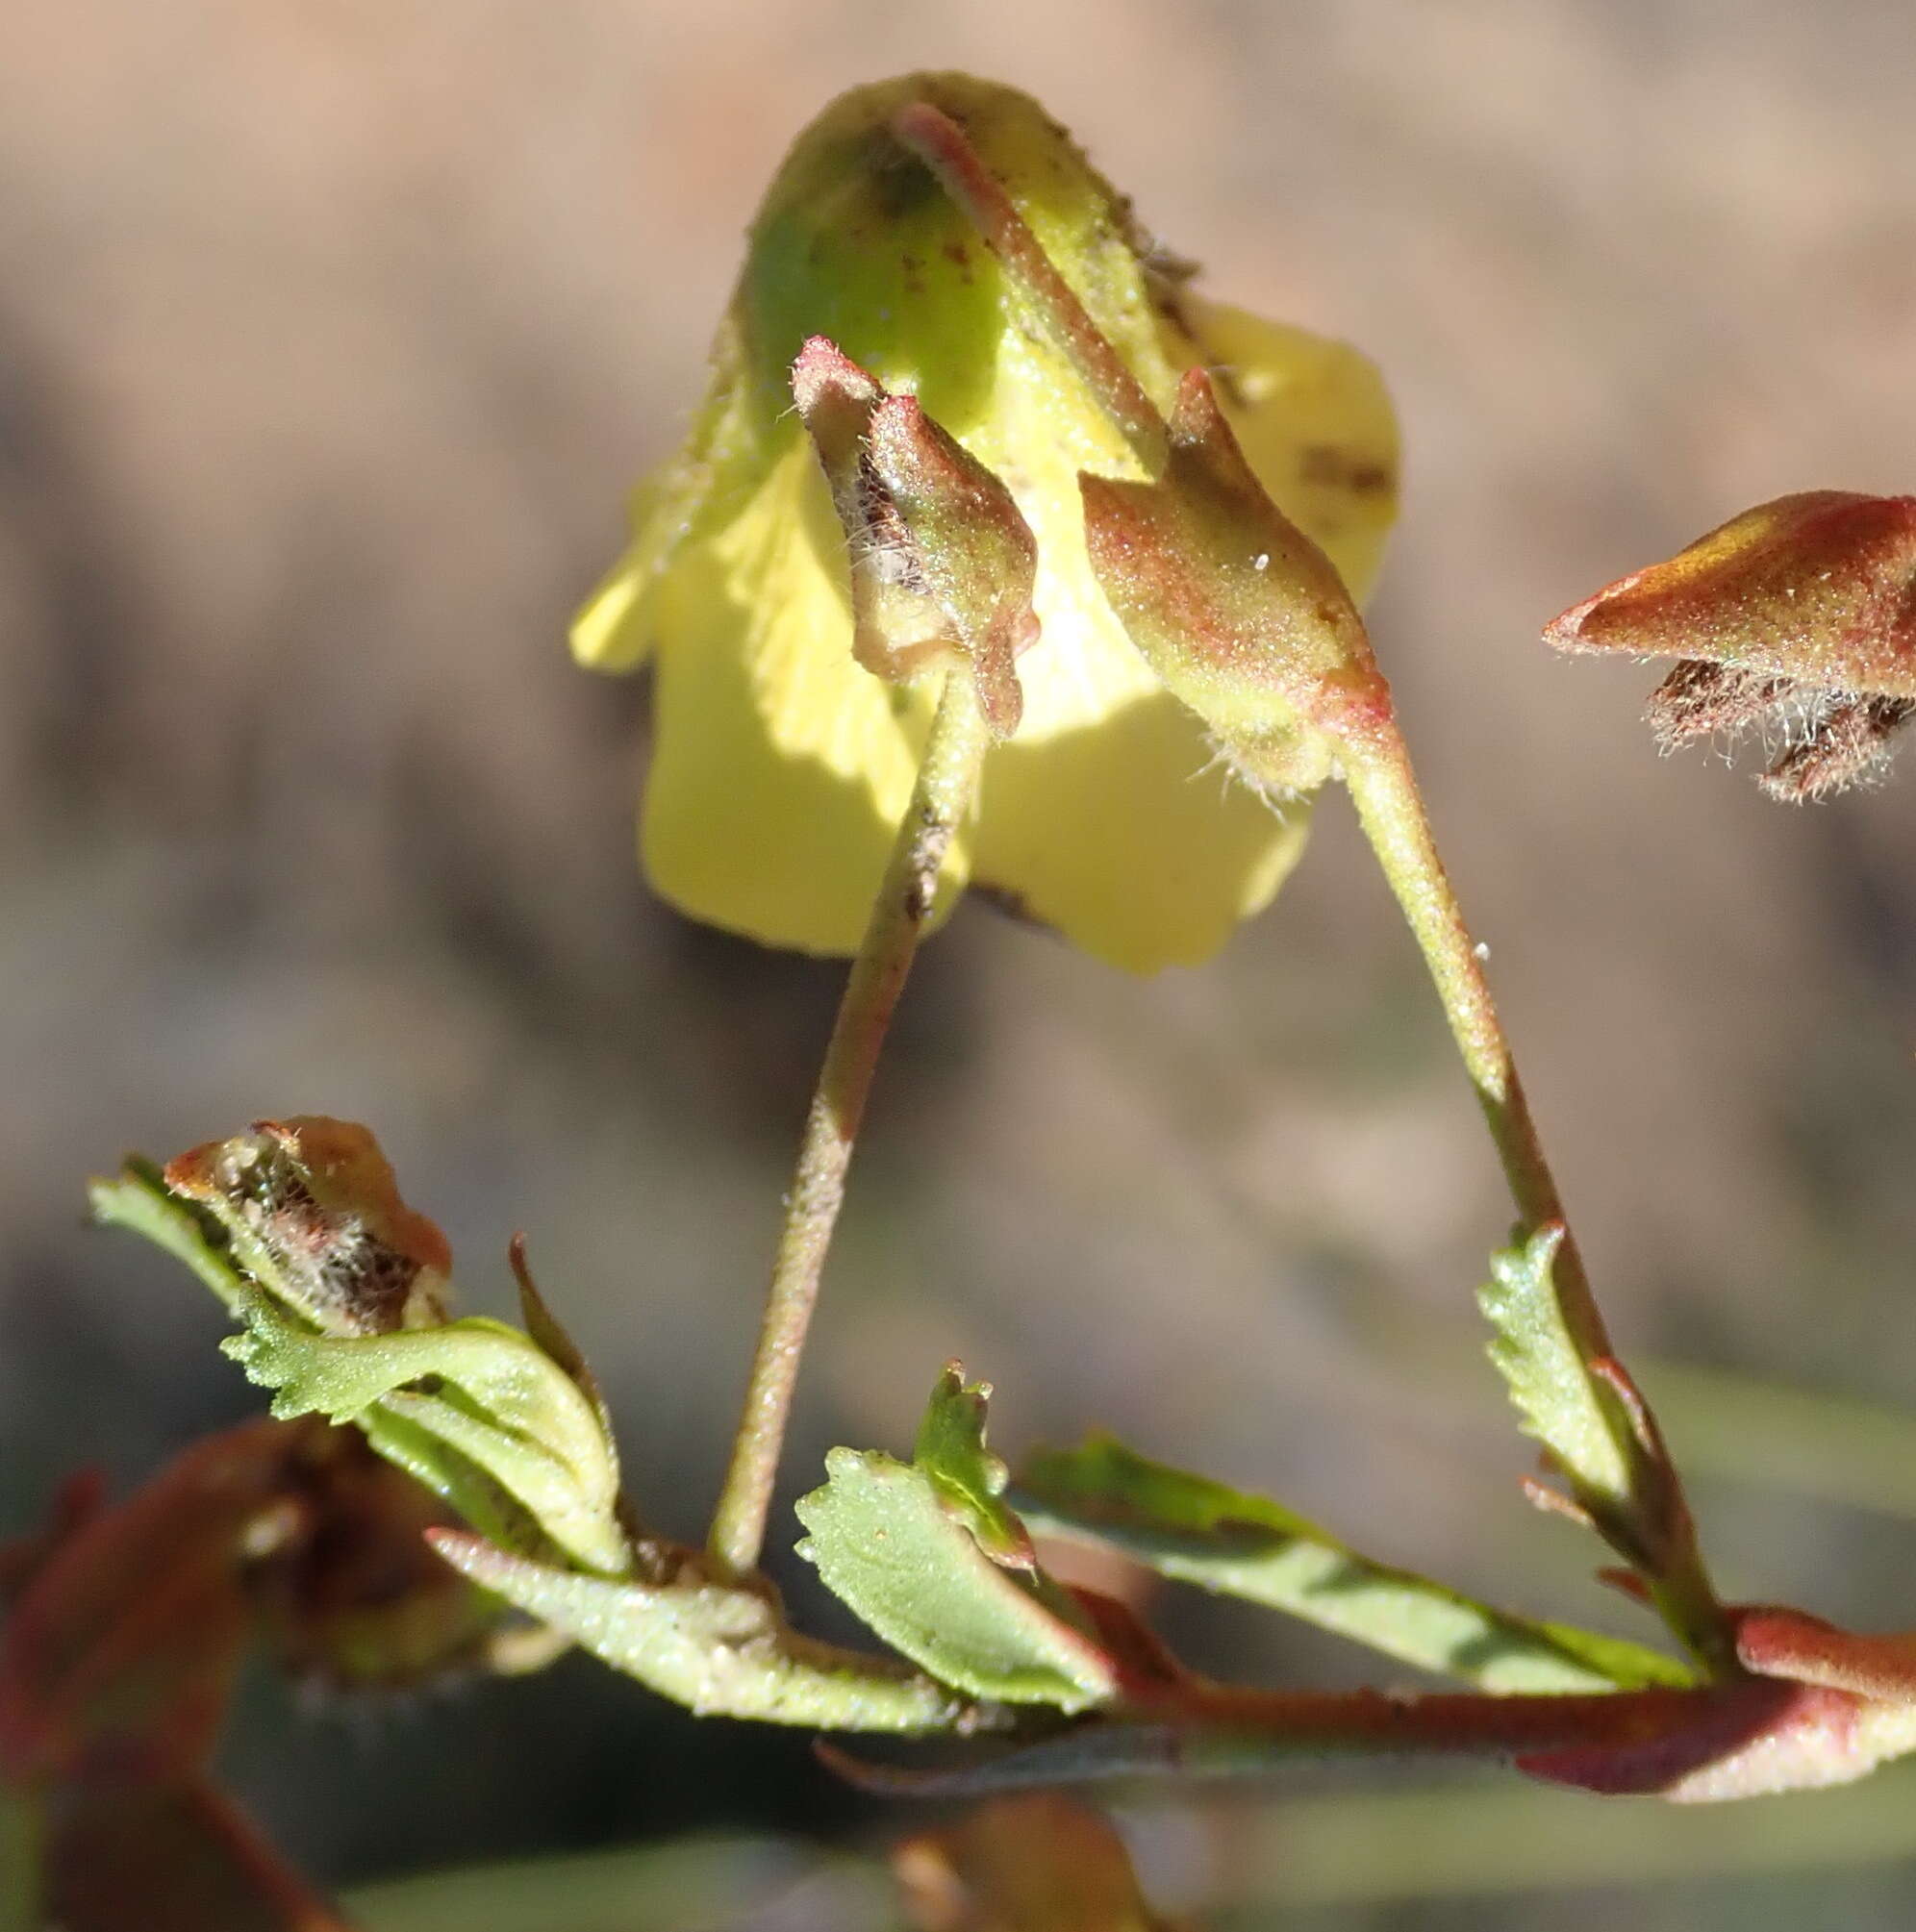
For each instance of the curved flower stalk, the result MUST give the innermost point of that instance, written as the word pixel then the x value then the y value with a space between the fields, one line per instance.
pixel 780 767
pixel 1797 618
pixel 1247 623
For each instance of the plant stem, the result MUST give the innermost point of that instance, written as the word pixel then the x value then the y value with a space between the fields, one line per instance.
pixel 1390 808
pixel 942 798
pixel 1469 1723
pixel 1653 1529
pixel 1620 1741
pixel 1391 811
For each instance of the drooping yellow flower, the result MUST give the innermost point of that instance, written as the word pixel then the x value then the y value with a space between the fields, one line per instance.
pixel 780 765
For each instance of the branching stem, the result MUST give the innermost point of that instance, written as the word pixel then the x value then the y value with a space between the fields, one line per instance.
pixel 942 800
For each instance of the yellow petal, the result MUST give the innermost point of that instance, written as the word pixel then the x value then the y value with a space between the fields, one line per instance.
pixel 1315 421
pixel 1127 840
pixel 780 768
pixel 610 633
pixel 712 477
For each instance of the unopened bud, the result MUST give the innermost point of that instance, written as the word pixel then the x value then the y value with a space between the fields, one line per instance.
pixel 1236 610
pixel 313 1214
pixel 1800 614
pixel 943 566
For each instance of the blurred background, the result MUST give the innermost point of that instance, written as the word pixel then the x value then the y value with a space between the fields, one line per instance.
pixel 332 332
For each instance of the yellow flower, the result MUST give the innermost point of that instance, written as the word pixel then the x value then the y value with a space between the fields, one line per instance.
pixel 780 766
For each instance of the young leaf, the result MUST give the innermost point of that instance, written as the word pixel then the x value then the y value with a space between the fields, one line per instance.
pixel 885 1543
pixel 927 1554
pixel 1199 1531
pixel 720 1651
pixel 498 1402
pixel 140 1201
pixel 507 1427
pixel 969 1478
pixel 1563 1404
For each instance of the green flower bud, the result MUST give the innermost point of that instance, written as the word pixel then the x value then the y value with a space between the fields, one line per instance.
pixel 1239 614
pixel 942 562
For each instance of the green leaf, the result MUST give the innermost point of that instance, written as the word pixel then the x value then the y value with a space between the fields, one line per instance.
pixel 718 1650
pixel 510 1432
pixel 885 1543
pixel 927 1553
pixel 140 1201
pixel 496 1399
pixel 970 1480
pixel 1562 1404
pixel 1202 1532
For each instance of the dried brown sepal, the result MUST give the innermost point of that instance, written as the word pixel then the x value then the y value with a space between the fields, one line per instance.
pixel 119 1658
pixel 942 565
pixel 1705 700
pixel 122 1647
pixel 1848 744
pixel 319 1199
pixel 1798 616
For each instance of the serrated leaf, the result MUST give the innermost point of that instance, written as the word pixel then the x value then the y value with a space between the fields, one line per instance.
pixel 1562 1403
pixel 494 1398
pixel 887 1545
pixel 718 1650
pixel 969 1478
pixel 1202 1532
pixel 510 1433
pixel 554 1338
pixel 140 1201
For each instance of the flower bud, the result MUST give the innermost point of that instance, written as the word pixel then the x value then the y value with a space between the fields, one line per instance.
pixel 942 562
pixel 1237 611
pixel 1800 614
